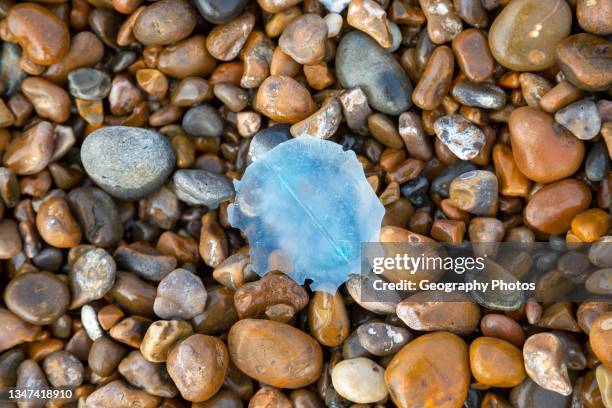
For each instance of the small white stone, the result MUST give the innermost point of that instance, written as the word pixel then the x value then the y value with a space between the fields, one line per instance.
pixel 334 24
pixel 335 6
pixel 89 319
pixel 359 380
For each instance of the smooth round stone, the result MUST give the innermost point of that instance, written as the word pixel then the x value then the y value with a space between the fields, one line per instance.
pixel 530 395
pixel 203 121
pixel 600 338
pixel 594 16
pixel 267 139
pixel 145 261
pixel 220 313
pixel 97 215
pixel 382 339
pixel 545 363
pixel 202 187
pixel 132 294
pixel 91 277
pixel 128 163
pixel 198 365
pixel 220 11
pixel 361 62
pixel 586 61
pixel 464 139
pixel 165 22
pixel 105 355
pixel 524 35
pixel 56 225
pixel 502 327
pixel 161 336
pixel 304 39
pixel 590 225
pixel 496 362
pixel 89 84
pixel 294 361
pixel 441 183
pixel 187 58
pixel 484 95
pixel 418 376
pixel 270 397
pixel 597 164
pixel 359 380
pixel 150 377
pixel 63 369
pixel 600 253
pixel 50 101
pixel 328 319
pixel 117 394
pixel 37 297
pixel 543 150
pixel 30 375
pixel 180 295
pixel 581 118
pixel 552 209
pixel 283 99
pixel 473 55
pixel 475 192
pixel 31 151
pixel 435 82
pixel 42 35
pixel 600 282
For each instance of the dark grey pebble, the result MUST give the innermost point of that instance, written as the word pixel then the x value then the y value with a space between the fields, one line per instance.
pixel 597 162
pixel 202 187
pixel 203 121
pixel 485 95
pixel 361 62
pixel 441 184
pixel 267 139
pixel 220 11
pixel 128 163
pixel 89 84
pixel 97 214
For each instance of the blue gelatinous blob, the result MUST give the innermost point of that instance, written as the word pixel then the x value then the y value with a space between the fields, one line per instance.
pixel 306 207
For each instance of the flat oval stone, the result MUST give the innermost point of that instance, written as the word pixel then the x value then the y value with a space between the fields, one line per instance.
pixel 581 118
pixel 586 61
pixel 16 331
pixel 484 95
pixel 294 361
pixel 553 207
pixel 224 42
pixel 220 11
pixel 10 240
pixel 89 84
pixel 97 214
pixel 165 22
pixel 63 369
pixel 524 35
pixel 283 99
pixel 496 362
pixel 328 319
pixel 198 365
pixel 359 380
pixel 502 327
pixel 594 16
pixel 304 39
pixel 475 192
pixel 436 79
pixel 91 277
pixel 202 187
pixel 180 295
pixel 545 363
pixel 361 62
pixel 464 139
pixel 136 161
pixel 543 150
pixel 132 294
pixel 37 297
pixel 118 395
pixel 150 377
pixel 43 36
pixel 447 379
pixel 203 121
pixel 187 58
pixel 56 225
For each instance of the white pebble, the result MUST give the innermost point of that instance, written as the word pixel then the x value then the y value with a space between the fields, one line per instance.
pixel 89 319
pixel 359 380
pixel 334 24
pixel 335 6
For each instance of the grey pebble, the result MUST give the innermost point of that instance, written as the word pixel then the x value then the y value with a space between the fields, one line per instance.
pixel 203 121
pixel 181 295
pixel 361 62
pixel 202 187
pixel 597 163
pixel 267 139
pixel 220 11
pixel 581 118
pixel 461 136
pixel 91 276
pixel 128 163
pixel 89 84
pixel 484 95
pixel 382 339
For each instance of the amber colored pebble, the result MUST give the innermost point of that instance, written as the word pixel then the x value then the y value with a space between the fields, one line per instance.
pixel 15 330
pixel 79 14
pixel 283 99
pixel 225 41
pixel 213 246
pixel 368 16
pixel 184 249
pixel 319 76
pixel 248 344
pixel 109 315
pixel 545 363
pixel 279 21
pixel 385 130
pixel 117 394
pixel 274 6
pixel 125 34
pixel 450 231
pixel 40 349
pixel 283 64
pixel 86 50
pixel 400 12
pixel 447 379
pixel 304 39
pixel 49 100
pixel 165 22
pixel 502 327
pixel 512 182
pixel 473 55
pixel 126 6
pixel 257 56
pixel 496 362
pixel 56 224
pixel 328 319
pixel 553 207
pixel 153 82
pixel 559 315
pixel 590 396
pixel 43 35
pixel 452 211
pixel 543 150
pixel 198 365
pixel 600 338
pixel 533 88
pixel 590 225
pixel 436 79
pixel 443 23
pixel 130 330
pixel 186 58
pixel 161 336
pixel 559 97
pixel 35 185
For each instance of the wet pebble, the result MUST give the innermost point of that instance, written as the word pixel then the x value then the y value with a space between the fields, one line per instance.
pixel 328 319
pixel 50 101
pixel 165 22
pixel 203 121
pixel 138 161
pixel 359 380
pixel 91 277
pixel 304 39
pixel 585 60
pixel 443 23
pixel 266 139
pixel 475 192
pixel 283 99
pixel 464 139
pixel 485 95
pixel 161 336
pixel 89 84
pixel 30 152
pixel 220 11
pixel 180 295
pixel 117 394
pixel 150 377
pixel 382 339
pixel 187 58
pixel 600 337
pixel 502 327
pixel 368 16
pixel 97 214
pixel 202 187
pixel 581 118
pixel 545 363
pixel 496 362
pixel 56 224
pixel 436 79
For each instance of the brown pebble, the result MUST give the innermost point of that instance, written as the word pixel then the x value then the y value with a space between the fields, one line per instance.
pixel 545 364
pixel 600 338
pixel 43 35
pixel 56 224
pixel 502 327
pixel 105 355
pixel 594 16
pixel 165 22
pixel 161 336
pixel 213 246
pixel 280 20
pixel 585 61
pixel 151 377
pixel 10 241
pixel 436 79
pixel 368 16
pixel 15 330
pixel 198 365
pixel 86 50
pixel 323 123
pixel 512 182
pixel 443 23
pixel 119 395
pixel 109 315
pixel 473 55
pixel 220 313
pixel 559 97
pixel 49 100
pixel 412 133
pixel 283 99
pixel 131 330
pixel 274 6
pixel 304 39
pixel 132 294
pixel 257 57
pixel 496 362
pixel 180 295
pixel 295 360
pixel 328 319
pixel 187 58
pixel 225 41
pixel 283 64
